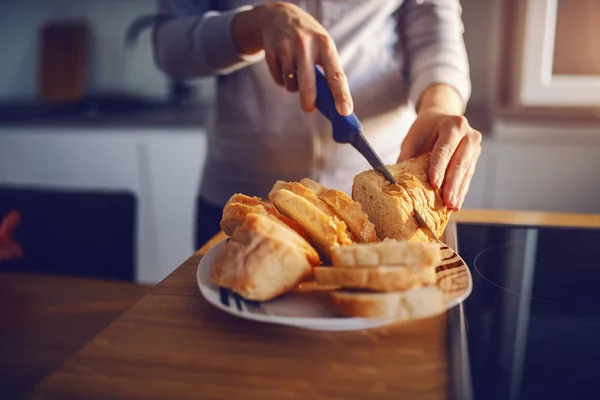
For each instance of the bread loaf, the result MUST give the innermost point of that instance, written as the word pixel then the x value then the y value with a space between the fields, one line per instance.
pixel 391 206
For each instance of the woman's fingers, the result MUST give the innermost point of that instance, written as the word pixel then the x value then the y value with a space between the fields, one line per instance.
pixel 305 62
pixel 461 167
pixel 274 67
pixel 290 75
pixel 464 186
pixel 285 54
pixel 338 83
pixel 449 136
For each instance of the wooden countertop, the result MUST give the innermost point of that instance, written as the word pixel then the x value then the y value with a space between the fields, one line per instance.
pixel 173 344
pixel 44 320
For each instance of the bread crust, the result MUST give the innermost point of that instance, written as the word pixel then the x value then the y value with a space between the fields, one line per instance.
pixel 383 279
pixel 402 305
pixel 391 206
pixel 240 205
pixel 352 214
pixel 389 252
pixel 304 192
pixel 263 259
pixel 326 231
pixel 313 185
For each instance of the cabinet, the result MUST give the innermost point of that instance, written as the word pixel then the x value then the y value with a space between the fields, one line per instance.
pixel 161 169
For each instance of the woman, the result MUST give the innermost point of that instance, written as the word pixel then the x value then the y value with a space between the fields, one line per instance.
pixel 400 65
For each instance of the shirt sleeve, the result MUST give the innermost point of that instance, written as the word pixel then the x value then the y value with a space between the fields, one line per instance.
pixel 193 41
pixel 434 50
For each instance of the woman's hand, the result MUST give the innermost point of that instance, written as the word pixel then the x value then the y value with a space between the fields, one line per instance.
pixel 294 42
pixel 455 146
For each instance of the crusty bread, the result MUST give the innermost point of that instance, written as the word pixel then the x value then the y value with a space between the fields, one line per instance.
pixel 263 259
pixel 240 205
pixel 326 231
pixel 302 191
pixel 391 206
pixel 360 228
pixel 352 214
pixel 382 279
pixel 415 303
pixel 389 252
pixel 313 185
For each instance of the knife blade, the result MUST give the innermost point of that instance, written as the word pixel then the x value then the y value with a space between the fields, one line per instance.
pixel 425 226
pixel 346 129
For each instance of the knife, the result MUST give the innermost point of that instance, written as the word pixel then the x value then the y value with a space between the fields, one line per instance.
pixel 346 129
pixel 423 224
pixel 349 130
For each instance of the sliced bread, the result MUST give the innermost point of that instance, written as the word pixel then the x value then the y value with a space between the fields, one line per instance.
pixel 326 231
pixel 349 211
pixel 263 259
pixel 240 205
pixel 389 252
pixel 383 279
pixel 400 305
pixel 313 185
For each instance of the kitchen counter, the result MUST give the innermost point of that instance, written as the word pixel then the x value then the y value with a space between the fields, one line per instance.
pixel 103 116
pixel 172 344
pixel 45 319
pixel 144 115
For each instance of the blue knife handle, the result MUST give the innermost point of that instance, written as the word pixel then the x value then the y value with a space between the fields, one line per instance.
pixel 344 129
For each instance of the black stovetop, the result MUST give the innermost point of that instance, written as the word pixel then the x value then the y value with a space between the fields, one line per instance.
pixel 533 318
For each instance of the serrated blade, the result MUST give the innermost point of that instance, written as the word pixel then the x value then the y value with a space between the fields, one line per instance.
pixel 361 144
pixel 423 224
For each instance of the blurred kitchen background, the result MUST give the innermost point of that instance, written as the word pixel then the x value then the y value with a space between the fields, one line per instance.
pixel 105 180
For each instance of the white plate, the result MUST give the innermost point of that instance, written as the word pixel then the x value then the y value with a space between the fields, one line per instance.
pixel 302 311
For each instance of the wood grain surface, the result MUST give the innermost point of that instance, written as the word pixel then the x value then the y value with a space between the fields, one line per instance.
pixel 44 320
pixel 173 345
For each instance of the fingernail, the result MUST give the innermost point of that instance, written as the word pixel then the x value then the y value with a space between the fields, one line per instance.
pixel 437 182
pixel 345 109
pixel 454 200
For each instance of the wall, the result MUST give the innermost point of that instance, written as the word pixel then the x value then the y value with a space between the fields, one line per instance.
pixel 112 66
pixel 482 38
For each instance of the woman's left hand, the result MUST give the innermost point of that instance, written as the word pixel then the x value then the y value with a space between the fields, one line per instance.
pixel 455 148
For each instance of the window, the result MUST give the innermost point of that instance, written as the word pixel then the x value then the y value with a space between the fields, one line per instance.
pixel 553 54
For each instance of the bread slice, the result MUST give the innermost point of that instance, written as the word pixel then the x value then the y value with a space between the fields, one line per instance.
pixel 391 206
pixel 313 185
pixel 382 279
pixel 326 231
pixel 263 259
pixel 389 252
pixel 240 205
pixel 402 305
pixel 302 191
pixel 349 211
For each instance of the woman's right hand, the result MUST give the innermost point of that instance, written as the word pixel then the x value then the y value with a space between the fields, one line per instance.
pixel 294 42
